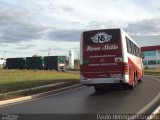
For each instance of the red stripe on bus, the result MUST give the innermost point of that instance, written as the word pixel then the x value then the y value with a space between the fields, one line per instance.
pixel 133 67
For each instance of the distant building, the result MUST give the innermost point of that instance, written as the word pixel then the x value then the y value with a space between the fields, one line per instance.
pixel 71 59
pixel 151 56
pixel 76 64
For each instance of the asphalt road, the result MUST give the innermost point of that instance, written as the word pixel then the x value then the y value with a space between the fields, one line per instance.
pixel 84 100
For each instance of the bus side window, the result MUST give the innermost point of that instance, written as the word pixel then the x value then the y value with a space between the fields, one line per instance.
pixel 131 47
pixel 138 54
pixel 128 45
pixel 134 49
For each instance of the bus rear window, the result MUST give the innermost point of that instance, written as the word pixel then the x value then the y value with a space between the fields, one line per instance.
pixel 101 36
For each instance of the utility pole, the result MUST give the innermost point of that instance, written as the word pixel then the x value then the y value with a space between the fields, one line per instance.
pixel 49 52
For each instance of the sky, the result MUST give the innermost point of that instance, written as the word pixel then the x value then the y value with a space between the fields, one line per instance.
pixel 42 27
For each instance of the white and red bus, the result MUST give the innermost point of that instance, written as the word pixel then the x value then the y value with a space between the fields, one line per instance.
pixel 109 57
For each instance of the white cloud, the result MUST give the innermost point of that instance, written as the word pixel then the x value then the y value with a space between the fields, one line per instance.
pixel 42 24
pixel 145 27
pixel 147 40
pixel 18 26
pixel 65 35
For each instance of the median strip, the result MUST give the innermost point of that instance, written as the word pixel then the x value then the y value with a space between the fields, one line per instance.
pixel 34 88
pixel 20 99
pixel 19 83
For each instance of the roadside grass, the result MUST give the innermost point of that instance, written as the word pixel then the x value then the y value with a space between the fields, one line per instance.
pixel 12 80
pixel 152 72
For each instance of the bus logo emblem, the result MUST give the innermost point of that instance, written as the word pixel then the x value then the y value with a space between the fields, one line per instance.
pixel 101 37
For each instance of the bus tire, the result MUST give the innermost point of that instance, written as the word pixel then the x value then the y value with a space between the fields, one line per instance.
pixel 131 87
pixel 140 80
pixel 134 84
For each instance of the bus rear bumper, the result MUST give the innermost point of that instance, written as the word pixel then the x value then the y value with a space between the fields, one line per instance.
pixel 96 81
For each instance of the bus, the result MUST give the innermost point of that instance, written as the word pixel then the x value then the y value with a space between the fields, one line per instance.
pixel 109 57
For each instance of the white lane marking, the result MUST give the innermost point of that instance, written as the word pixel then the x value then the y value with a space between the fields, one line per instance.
pixel 154 78
pixel 154 113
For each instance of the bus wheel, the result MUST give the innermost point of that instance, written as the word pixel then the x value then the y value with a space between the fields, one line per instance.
pixel 134 84
pixel 140 80
pixel 135 81
pixel 131 87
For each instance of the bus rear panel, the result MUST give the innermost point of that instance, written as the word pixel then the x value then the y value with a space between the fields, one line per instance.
pixel 105 58
pixel 102 57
